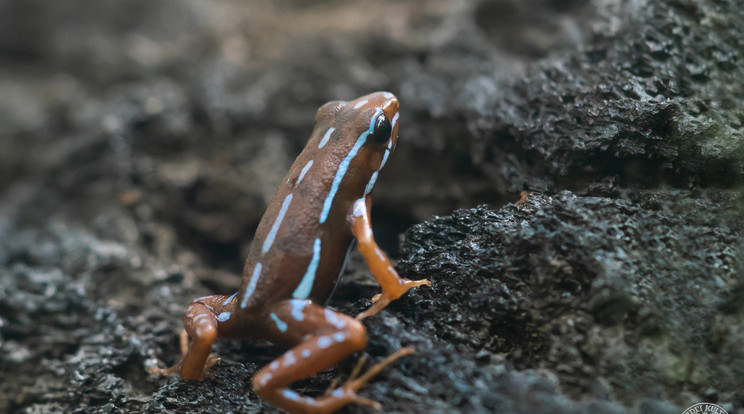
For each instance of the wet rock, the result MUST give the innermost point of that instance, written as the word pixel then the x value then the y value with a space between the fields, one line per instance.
pixel 564 280
pixel 649 98
pixel 141 142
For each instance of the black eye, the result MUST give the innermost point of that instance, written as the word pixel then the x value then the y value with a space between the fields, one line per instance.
pixel 382 130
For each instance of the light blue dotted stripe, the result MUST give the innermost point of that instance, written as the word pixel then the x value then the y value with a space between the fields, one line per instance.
pixel 272 233
pixel 291 395
pixel 324 342
pixel 306 285
pixel 344 166
pixel 289 359
pixel 333 318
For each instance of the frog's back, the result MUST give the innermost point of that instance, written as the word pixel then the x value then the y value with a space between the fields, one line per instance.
pixel 292 246
pixel 303 239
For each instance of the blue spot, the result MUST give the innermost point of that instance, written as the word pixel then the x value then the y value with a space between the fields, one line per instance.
pixel 304 171
pixel 344 166
pixel 274 228
pixel 289 394
pixel 251 286
pixel 305 353
pixel 279 323
pixel 230 299
pixel 224 316
pixel 371 183
pixel 359 208
pixel 333 318
pixel 297 307
pixel 289 359
pixel 324 342
pixel 338 392
pixel 306 285
pixel 339 337
pixel 326 137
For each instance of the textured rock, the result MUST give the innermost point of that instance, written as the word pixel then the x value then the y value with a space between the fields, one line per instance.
pixel 140 141
pixel 613 297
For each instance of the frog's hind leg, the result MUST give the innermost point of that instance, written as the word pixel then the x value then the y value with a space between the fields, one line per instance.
pixel 321 337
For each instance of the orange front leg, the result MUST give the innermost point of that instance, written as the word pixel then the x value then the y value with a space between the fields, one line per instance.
pixel 200 324
pixel 393 286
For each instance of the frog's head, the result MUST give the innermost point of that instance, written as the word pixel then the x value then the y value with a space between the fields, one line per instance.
pixel 358 137
pixel 371 118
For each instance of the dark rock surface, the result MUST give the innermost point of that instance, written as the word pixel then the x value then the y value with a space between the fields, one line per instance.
pixel 140 141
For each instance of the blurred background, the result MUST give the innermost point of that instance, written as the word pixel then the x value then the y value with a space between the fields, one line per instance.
pixel 140 141
pixel 191 113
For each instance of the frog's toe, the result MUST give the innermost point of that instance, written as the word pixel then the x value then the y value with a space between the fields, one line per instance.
pixel 212 359
pixel 413 283
pixel 175 369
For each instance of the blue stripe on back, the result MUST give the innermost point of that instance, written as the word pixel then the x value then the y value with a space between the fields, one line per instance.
pixel 344 166
pixel 306 285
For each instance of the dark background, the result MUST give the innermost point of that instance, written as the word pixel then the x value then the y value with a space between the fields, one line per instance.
pixel 141 140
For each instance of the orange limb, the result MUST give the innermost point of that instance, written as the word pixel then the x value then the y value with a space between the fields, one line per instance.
pixel 523 197
pixel 200 324
pixel 393 286
pixel 323 337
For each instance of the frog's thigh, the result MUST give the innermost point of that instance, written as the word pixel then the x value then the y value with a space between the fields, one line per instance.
pixel 321 338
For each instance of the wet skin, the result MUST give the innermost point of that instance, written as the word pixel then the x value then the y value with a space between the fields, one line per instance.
pixel 297 256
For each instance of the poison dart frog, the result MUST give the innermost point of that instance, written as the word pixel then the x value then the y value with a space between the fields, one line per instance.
pixel 297 256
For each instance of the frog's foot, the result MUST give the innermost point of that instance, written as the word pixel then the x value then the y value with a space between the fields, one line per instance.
pixel 348 390
pixel 354 373
pixel 381 300
pixel 523 197
pixel 212 359
pixel 176 369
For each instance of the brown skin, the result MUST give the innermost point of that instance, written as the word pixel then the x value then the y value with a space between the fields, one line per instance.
pixel 271 307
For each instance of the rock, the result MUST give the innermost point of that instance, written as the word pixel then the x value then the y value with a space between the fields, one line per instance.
pixel 143 139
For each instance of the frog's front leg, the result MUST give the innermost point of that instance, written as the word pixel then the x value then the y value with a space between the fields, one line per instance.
pixel 393 286
pixel 322 337
pixel 200 324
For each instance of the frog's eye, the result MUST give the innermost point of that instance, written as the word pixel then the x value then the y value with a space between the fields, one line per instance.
pixel 381 130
